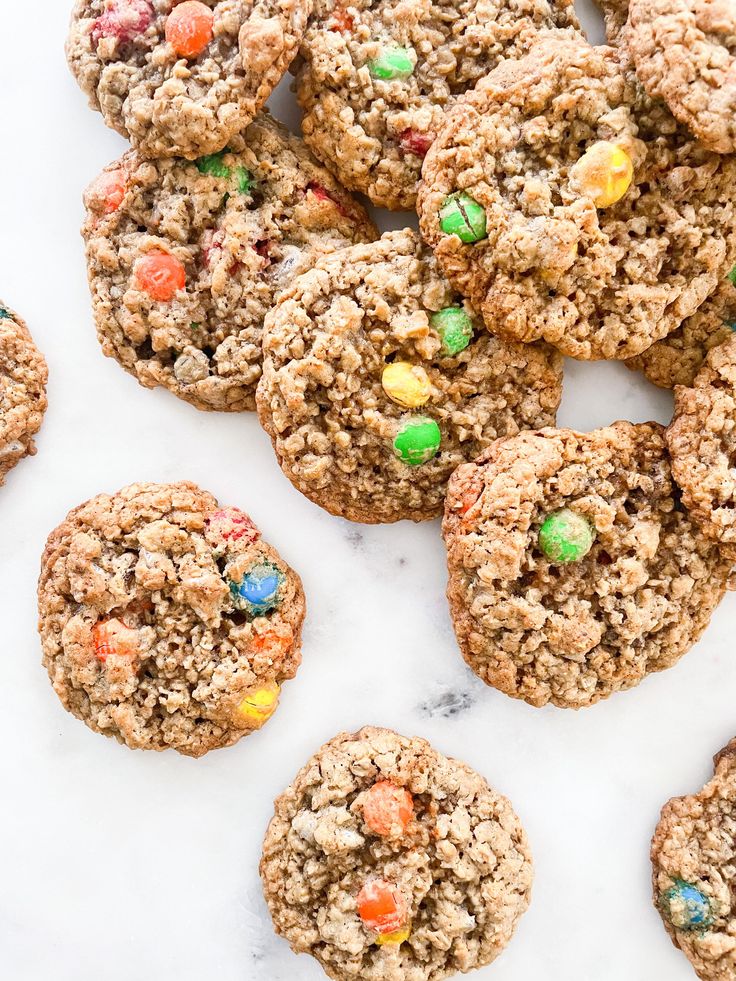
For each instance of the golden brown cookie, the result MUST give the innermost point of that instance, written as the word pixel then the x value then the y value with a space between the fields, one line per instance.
pixel 22 391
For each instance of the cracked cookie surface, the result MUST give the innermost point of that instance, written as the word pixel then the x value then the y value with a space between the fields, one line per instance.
pixel 165 620
pixel 23 378
pixel 376 810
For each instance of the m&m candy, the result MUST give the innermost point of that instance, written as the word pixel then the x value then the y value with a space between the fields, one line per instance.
pixel 406 384
pixel 107 192
pixel 686 907
pixel 382 907
pixel 566 536
pixel 230 525
pixel 417 441
pixel 387 809
pixel 604 173
pixel 461 215
pixel 113 638
pixel 258 592
pixel 189 28
pixel 391 63
pixel 123 20
pixel 455 329
pixel 160 275
pixel 259 705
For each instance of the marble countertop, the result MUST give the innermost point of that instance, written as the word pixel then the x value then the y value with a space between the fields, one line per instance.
pixel 117 865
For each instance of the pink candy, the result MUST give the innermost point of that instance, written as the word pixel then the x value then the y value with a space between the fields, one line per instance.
pixel 231 525
pixel 123 19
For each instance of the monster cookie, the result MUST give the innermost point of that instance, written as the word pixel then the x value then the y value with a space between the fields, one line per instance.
pixel 702 445
pixel 685 53
pixel 569 207
pixel 377 75
pixel 166 621
pixel 185 259
pixel 677 358
pixel 573 569
pixel 22 391
pixel 615 13
pixel 181 79
pixel 387 861
pixel 694 872
pixel 377 383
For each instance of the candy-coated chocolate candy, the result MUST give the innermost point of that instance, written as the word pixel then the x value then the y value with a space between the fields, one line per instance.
pixel 417 441
pixel 381 906
pixel 604 173
pixel 387 809
pixel 259 590
pixel 107 192
pixel 161 275
pixel 461 215
pixel 413 141
pixel 273 642
pixel 244 180
pixel 214 165
pixel 455 329
pixel 392 63
pixel 406 384
pixel 258 706
pixel 230 525
pixel 566 536
pixel 113 637
pixel 732 275
pixel 397 937
pixel 342 22
pixel 189 28
pixel 4 314
pixel 123 20
pixel 686 907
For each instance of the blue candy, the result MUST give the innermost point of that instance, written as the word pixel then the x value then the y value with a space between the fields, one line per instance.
pixel 686 907
pixel 258 591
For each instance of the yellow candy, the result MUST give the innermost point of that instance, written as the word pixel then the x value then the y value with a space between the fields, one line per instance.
pixel 397 937
pixel 604 173
pixel 406 384
pixel 260 704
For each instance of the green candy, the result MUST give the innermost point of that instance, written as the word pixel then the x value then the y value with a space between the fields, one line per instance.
pixel 391 63
pixel 455 329
pixel 244 180
pixel 214 165
pixel 732 275
pixel 418 441
pixel 566 536
pixel 461 215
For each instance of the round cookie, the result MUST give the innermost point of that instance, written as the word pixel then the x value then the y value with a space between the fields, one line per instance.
pixel 377 383
pixel 573 569
pixel 387 861
pixel 685 54
pixel 569 207
pixel 165 620
pixel 182 79
pixel 677 358
pixel 694 871
pixel 702 444
pixel 23 378
pixel 185 259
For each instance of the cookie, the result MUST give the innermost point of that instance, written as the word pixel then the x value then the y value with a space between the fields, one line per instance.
pixel 22 391
pixel 694 871
pixel 685 54
pixel 377 382
pixel 702 444
pixel 182 79
pixel 571 208
pixel 387 861
pixel 615 14
pixel 678 358
pixel 165 620
pixel 574 571
pixel 377 75
pixel 185 259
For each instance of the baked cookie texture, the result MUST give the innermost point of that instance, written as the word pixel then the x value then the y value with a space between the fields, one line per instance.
pixel 694 868
pixel 615 14
pixel 230 232
pixel 357 365
pixel 165 620
pixel 23 378
pixel 685 54
pixel 702 445
pixel 375 810
pixel 677 358
pixel 167 98
pixel 377 75
pixel 530 152
pixel 576 627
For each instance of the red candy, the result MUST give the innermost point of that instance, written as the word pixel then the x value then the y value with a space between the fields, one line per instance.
pixel 123 19
pixel 113 637
pixel 189 28
pixel 412 141
pixel 161 275
pixel 322 194
pixel 232 525
pixel 381 906
pixel 107 192
pixel 342 22
pixel 387 809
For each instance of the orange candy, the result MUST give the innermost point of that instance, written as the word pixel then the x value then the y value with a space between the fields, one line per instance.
pixel 189 28
pixel 160 275
pixel 274 642
pixel 381 906
pixel 387 809
pixel 113 637
pixel 107 192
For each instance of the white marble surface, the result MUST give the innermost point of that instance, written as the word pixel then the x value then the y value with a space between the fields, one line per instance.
pixel 117 865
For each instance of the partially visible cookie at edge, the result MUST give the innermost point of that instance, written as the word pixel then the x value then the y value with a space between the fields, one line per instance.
pixel 22 390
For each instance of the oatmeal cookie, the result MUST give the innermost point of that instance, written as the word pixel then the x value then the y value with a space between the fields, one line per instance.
pixel 165 620
pixel 387 861
pixel 185 259
pixel 377 75
pixel 702 445
pixel 615 14
pixel 570 207
pixel 694 872
pixel 22 391
pixel 181 79
pixel 574 571
pixel 685 53
pixel 377 384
